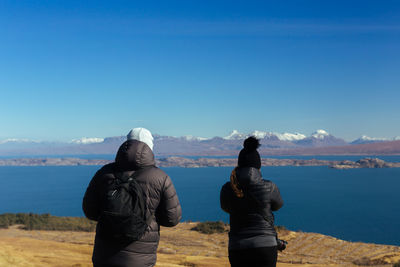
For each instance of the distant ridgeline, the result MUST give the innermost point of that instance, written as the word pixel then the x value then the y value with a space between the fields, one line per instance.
pixel 318 143
pixel 30 221
pixel 206 162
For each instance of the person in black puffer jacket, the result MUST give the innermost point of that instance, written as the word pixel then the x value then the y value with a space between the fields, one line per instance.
pixel 160 196
pixel 250 200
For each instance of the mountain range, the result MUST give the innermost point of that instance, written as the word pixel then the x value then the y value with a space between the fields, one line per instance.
pixel 318 143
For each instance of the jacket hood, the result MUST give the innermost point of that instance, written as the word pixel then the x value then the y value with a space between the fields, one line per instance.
pixel 248 176
pixel 133 155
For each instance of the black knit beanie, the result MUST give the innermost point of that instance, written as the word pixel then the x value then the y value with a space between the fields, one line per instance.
pixel 248 156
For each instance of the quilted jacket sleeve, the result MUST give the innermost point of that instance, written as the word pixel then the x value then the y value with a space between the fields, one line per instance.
pixel 276 199
pixel 226 197
pixel 169 212
pixel 92 199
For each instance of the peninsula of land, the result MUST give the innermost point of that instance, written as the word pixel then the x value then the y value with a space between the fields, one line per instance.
pixel 206 162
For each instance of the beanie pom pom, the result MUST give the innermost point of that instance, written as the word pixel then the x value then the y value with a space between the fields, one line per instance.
pixel 251 143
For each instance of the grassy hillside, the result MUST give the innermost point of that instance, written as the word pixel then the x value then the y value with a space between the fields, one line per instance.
pixel 183 246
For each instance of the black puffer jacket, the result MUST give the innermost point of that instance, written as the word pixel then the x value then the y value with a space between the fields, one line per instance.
pixel 162 201
pixel 251 218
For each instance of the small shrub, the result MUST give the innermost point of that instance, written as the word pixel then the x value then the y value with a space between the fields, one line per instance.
pixel 280 228
pixel 7 220
pixel 210 227
pixel 32 221
pixel 365 261
pixel 190 264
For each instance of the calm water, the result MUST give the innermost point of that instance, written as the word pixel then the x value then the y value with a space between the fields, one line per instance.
pixel 357 204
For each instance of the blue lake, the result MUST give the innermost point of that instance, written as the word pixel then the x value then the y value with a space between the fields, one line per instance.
pixel 356 204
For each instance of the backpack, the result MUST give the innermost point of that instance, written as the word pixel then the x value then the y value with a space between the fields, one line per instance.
pixel 124 216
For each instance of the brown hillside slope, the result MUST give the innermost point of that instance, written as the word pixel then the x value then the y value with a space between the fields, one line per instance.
pixel 180 246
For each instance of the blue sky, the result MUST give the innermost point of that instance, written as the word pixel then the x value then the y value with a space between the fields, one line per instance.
pixel 70 69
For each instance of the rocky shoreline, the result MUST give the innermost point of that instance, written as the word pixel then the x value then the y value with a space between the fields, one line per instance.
pixel 206 162
pixel 51 162
pixel 365 163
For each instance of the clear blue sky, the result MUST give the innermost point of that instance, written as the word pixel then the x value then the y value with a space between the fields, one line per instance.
pixel 70 69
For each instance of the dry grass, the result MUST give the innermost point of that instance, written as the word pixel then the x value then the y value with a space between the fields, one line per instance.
pixel 180 246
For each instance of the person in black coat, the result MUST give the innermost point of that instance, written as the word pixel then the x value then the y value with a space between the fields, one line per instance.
pixel 160 197
pixel 250 200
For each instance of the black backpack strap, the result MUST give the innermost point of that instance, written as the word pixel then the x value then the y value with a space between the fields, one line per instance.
pixel 125 179
pixel 150 217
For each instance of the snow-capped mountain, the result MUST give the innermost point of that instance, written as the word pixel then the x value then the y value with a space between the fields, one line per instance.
pixel 320 134
pixel 366 140
pixel 317 138
pixel 16 140
pixel 235 135
pixel 194 138
pixel 87 140
pixel 260 134
pixel 290 137
pixel 321 138
pixel 271 142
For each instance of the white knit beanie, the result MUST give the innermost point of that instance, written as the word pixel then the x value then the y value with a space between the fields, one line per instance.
pixel 141 134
